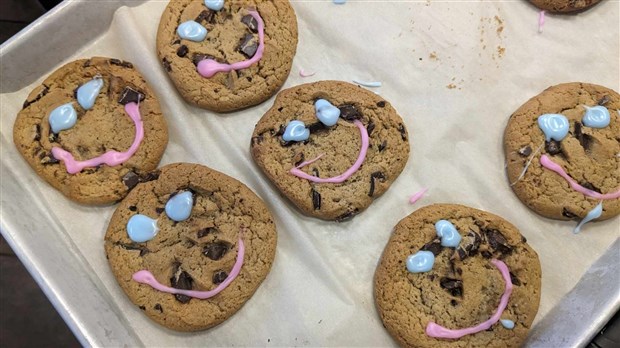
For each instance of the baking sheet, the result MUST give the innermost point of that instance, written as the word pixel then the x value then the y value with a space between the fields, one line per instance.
pixel 455 71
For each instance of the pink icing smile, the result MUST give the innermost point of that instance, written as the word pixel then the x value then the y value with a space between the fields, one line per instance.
pixel 146 277
pixel 549 164
pixel 208 67
pixel 111 158
pixel 347 174
pixel 439 331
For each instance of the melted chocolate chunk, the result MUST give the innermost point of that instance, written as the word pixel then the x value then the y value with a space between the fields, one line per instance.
pixel 381 104
pixel 150 176
pixel 257 140
pixel 215 251
pixel 219 276
pixel 159 308
pixel 133 208
pixel 469 245
pixel 250 22
pixel 207 16
pixel 41 94
pixel 433 246
pixel 486 254
pixel 604 100
pixel 569 214
pixel 37 133
pixel 403 132
pixel 280 130
pixel 205 231
pixel 553 147
pixel 316 199
pixel 315 172
pixel 370 127
pixel 525 151
pixel 130 180
pixel 182 51
pixel 49 159
pixel 347 216
pixel 317 127
pixel 349 112
pixel 198 57
pixel 454 286
pixel 497 241
pixel 248 46
pixel 515 280
pixel 590 186
pixel 454 303
pixel 373 177
pixel 382 146
pixel 166 64
pixel 181 280
pixel 122 63
pixel 160 210
pixel 130 95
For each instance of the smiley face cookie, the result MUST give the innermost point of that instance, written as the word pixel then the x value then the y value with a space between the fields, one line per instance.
pixel 562 151
pixel 564 6
pixel 331 147
pixel 92 129
pixel 227 55
pixel 454 276
pixel 190 247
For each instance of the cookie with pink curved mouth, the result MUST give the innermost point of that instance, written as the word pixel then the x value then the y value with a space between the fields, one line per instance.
pixel 480 289
pixel 190 247
pixel 230 56
pixel 331 147
pixel 92 129
pixel 562 151
pixel 564 6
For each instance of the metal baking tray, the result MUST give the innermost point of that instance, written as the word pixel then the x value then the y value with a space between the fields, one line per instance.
pixel 60 242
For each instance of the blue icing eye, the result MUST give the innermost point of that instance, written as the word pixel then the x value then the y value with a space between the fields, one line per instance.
pixel 296 131
pixel 214 5
pixel 596 117
pixel 192 31
pixel 422 261
pixel 507 323
pixel 555 126
pixel 179 207
pixel 141 228
pixel 88 92
pixel 63 117
pixel 326 112
pixel 450 237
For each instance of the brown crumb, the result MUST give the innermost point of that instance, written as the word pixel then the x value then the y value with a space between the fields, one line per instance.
pixel 433 56
pixel 500 51
pixel 451 86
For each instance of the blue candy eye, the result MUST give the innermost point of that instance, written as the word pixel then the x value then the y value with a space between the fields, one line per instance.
pixel 326 112
pixel 179 207
pixel 296 131
pixel 596 117
pixel 62 118
pixel 555 126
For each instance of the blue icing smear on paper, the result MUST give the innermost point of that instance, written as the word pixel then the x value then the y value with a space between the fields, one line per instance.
pixel 192 31
pixel 507 323
pixel 422 261
pixel 555 126
pixel 593 214
pixel 340 2
pixel 326 112
pixel 179 207
pixel 450 237
pixel 62 118
pixel 88 92
pixel 141 228
pixel 214 5
pixel 296 131
pixel 596 117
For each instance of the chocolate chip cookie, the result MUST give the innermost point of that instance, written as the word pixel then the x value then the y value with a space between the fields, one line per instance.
pixel 564 6
pixel 227 55
pixel 562 152
pixel 454 276
pixel 92 129
pixel 331 147
pixel 190 247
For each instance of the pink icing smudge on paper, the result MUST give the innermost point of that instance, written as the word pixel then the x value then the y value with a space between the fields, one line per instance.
pixel 111 158
pixel 438 331
pixel 347 174
pixel 303 73
pixel 209 67
pixel 541 21
pixel 146 277
pixel 549 164
pixel 417 196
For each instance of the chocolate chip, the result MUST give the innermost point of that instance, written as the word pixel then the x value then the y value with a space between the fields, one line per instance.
pixel 373 177
pixel 525 151
pixel 590 186
pixel 569 214
pixel 370 127
pixel 182 51
pixel 349 112
pixel 604 100
pixel 159 210
pixel 130 180
pixel 219 276
pixel 150 176
pixel 181 280
pixel 315 172
pixel 486 254
pixel 207 16
pixel 497 241
pixel 133 208
pixel 553 147
pixel 514 279
pixel 215 251
pixel 86 63
pixel 130 95
pixel 433 246
pixel 280 109
pixel 257 140
pixel 382 146
pixel 381 104
pixel 205 231
pixel 248 46
pixel 119 62
pixel 299 158
pixel 49 159
pixel 317 127
pixel 198 57
pixel 348 215
pixel 469 245
pixel 166 64
pixel 52 137
pixel 454 286
pixel 250 22
pixel 453 303
pixel 37 133
pixel 159 308
pixel 142 308
pixel 133 246
pixel 41 94
pixel 523 239
pixel 316 199
pixel 403 132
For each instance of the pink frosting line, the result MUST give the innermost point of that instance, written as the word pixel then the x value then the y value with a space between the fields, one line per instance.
pixel 209 67
pixel 347 174
pixel 303 73
pixel 541 21
pixel 112 157
pixel 439 331
pixel 146 277
pixel 549 164
pixel 417 196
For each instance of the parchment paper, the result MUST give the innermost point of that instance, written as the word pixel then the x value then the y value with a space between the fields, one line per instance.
pixel 454 70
